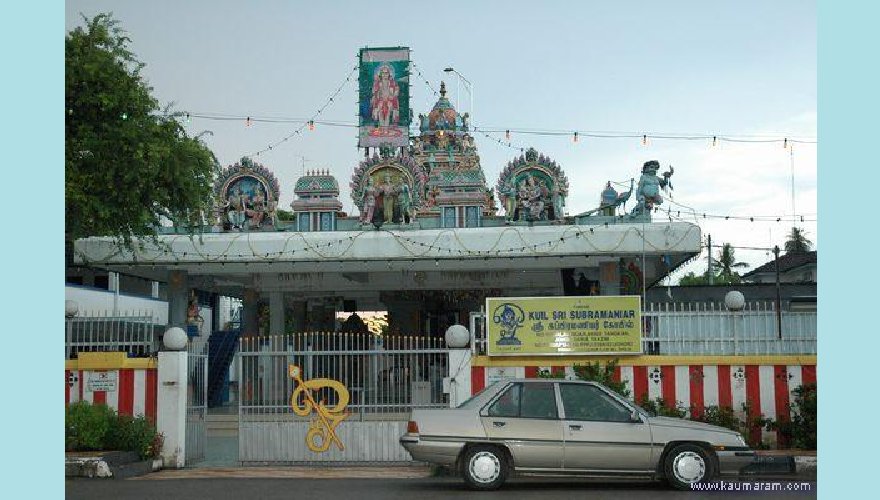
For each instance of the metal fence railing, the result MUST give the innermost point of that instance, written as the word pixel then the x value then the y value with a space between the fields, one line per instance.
pixel 196 404
pixel 712 329
pixel 135 333
pixel 386 377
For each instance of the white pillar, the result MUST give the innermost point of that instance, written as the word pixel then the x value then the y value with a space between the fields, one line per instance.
pixel 155 290
pixel 171 407
pixel 178 298
pixel 250 323
pixel 609 278
pixel 276 313
pixel 459 384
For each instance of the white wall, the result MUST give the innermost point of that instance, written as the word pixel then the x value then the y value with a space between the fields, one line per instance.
pixel 93 301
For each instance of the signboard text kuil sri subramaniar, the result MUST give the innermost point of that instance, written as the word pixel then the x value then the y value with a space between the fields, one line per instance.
pixel 563 325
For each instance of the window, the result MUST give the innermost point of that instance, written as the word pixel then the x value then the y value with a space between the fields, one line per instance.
pixel 533 400
pixel 587 402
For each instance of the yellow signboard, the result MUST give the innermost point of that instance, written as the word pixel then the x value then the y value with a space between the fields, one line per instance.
pixel 519 326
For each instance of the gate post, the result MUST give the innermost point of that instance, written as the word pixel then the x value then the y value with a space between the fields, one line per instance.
pixel 458 340
pixel 171 398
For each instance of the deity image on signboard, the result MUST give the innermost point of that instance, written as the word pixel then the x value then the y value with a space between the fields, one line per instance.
pixel 510 317
pixel 385 105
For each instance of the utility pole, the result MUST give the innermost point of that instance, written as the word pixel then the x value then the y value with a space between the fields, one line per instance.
pixel 711 273
pixel 778 299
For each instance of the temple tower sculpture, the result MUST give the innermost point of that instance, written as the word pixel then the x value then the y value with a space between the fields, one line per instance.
pixel 456 189
pixel 246 197
pixel 317 201
pixel 532 188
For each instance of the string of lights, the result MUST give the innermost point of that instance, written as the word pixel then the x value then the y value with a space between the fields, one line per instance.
pixel 414 248
pixel 487 132
pixel 310 123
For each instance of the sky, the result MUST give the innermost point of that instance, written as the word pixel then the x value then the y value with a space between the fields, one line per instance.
pixel 745 69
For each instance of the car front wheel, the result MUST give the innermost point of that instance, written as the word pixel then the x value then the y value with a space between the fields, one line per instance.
pixel 484 467
pixel 687 464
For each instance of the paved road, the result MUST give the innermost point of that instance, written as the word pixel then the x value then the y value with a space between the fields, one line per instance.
pixel 367 489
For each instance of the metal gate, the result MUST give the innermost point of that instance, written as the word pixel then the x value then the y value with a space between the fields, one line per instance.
pixel 196 406
pixel 385 379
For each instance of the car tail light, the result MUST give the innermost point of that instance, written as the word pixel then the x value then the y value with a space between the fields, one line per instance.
pixel 412 427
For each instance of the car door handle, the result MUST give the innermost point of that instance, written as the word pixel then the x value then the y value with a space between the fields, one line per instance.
pixel 499 424
pixel 574 427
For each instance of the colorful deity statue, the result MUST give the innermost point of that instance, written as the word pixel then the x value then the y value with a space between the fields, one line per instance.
pixel 404 200
pixel 235 206
pixel 648 192
pixel 246 195
pixel 369 206
pixel 535 185
pixel 389 195
pixel 558 200
pixel 508 192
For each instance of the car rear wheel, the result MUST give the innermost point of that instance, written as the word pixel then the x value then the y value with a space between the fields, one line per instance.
pixel 484 467
pixel 687 464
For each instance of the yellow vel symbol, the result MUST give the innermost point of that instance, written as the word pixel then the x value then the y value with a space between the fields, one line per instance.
pixel 322 428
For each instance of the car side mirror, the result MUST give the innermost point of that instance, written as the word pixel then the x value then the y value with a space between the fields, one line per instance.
pixel 634 417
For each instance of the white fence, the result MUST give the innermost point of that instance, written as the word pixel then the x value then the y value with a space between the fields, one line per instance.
pixel 134 333
pixel 712 329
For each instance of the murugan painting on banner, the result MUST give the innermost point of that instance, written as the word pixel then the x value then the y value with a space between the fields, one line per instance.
pixel 384 115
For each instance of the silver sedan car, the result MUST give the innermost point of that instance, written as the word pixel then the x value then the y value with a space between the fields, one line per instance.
pixel 541 426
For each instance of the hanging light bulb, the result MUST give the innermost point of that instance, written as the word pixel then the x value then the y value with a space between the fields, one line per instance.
pixel 645 140
pixel 714 141
pixel 575 137
pixel 785 143
pixel 188 118
pixel 247 123
pixel 507 134
pixel 311 125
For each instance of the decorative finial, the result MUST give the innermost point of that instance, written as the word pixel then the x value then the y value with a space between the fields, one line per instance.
pixel 442 89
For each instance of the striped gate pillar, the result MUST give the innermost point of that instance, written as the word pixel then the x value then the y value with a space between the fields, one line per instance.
pixel 127 385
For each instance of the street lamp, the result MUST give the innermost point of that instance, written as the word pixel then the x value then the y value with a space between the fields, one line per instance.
pixel 71 309
pixel 470 88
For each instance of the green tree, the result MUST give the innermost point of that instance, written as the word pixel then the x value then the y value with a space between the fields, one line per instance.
pixel 129 166
pixel 726 263
pixel 722 270
pixel 797 242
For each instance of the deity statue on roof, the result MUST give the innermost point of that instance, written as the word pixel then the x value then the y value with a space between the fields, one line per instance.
pixel 385 100
pixel 369 202
pixel 389 193
pixel 648 191
pixel 404 201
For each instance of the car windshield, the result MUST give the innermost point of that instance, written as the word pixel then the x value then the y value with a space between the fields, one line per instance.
pixel 471 399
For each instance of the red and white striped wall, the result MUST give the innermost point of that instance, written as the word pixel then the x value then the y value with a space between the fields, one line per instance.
pixel 766 384
pixel 130 383
pixel 135 392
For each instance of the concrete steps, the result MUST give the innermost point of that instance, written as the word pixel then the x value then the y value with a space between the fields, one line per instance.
pixel 222 425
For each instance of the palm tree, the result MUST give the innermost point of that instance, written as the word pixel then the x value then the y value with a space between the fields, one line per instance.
pixel 726 263
pixel 797 241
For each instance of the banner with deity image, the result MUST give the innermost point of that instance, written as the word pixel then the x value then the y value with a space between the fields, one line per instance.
pixel 558 326
pixel 384 114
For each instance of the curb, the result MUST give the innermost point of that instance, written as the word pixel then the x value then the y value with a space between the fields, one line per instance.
pixel 113 465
